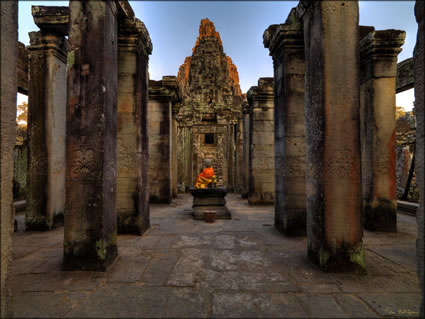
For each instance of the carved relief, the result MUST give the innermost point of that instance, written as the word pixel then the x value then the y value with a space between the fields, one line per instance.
pixel 342 166
pixel 383 166
pixel 126 157
pixel 84 164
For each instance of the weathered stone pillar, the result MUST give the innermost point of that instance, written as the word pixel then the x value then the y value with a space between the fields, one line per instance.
pixel 134 47
pixel 90 212
pixel 286 44
pixel 419 60
pixel 174 163
pixel 333 172
pixel 46 123
pixel 245 147
pixel 8 61
pixel 261 152
pixel 378 62
pixel 162 95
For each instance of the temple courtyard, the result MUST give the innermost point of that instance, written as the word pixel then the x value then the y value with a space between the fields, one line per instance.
pixel 241 267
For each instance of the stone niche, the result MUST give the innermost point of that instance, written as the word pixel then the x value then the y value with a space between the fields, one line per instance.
pixel 210 112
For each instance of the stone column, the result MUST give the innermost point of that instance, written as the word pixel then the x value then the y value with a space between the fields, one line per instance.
pixel 378 62
pixel 174 176
pixel 8 61
pixel 333 172
pixel 261 152
pixel 286 44
pixel 90 214
pixel 134 47
pixel 46 128
pixel 162 95
pixel 419 61
pixel 245 147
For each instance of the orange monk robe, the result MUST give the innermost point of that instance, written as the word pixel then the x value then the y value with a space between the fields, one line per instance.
pixel 205 177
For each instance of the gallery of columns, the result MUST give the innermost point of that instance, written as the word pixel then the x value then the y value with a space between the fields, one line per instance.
pixel 105 142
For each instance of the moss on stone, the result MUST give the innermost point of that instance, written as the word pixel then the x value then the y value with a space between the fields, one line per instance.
pixel 101 249
pixel 357 256
pixel 70 59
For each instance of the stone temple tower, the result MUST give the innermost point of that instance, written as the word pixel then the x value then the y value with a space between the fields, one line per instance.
pixel 209 117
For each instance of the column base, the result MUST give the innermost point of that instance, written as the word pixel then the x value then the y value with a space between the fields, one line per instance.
pixel 343 260
pixel 92 260
pixel 381 217
pixel 258 198
pixel 129 223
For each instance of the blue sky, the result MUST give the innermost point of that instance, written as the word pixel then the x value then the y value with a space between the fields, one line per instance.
pixel 173 27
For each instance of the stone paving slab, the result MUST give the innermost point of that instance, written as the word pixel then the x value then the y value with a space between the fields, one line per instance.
pixel 240 268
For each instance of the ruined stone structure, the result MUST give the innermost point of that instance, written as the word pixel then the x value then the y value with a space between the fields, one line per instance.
pixel 163 95
pixel 286 45
pixel 333 171
pixel 245 149
pixel 210 110
pixel 134 47
pixel 261 146
pixel 378 57
pixel 8 62
pixel 419 74
pixel 90 214
pixel 46 119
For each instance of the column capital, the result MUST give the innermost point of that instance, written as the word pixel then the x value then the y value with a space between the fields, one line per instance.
pixel 262 92
pixel 48 43
pixel 51 19
pixel 166 89
pixel 133 36
pixel 380 46
pixel 279 38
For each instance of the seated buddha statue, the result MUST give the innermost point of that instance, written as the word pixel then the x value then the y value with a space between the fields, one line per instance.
pixel 206 178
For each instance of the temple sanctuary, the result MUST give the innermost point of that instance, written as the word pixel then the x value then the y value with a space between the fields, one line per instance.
pixel 315 176
pixel 209 118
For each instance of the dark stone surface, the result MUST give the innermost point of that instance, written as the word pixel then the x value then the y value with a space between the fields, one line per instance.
pixel 90 213
pixel 419 60
pixel 51 19
pixel 210 199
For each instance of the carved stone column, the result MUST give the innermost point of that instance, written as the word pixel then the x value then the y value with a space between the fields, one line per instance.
pixel 90 215
pixel 261 152
pixel 286 44
pixel 46 125
pixel 134 47
pixel 174 132
pixel 419 61
pixel 378 62
pixel 8 62
pixel 245 147
pixel 162 95
pixel 333 171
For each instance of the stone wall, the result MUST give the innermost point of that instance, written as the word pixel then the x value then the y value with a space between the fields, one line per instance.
pixel 8 62
pixel 261 147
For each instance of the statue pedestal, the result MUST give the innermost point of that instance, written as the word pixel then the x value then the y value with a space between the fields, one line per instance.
pixel 206 199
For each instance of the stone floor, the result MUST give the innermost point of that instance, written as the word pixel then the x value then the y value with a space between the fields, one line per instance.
pixel 232 268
